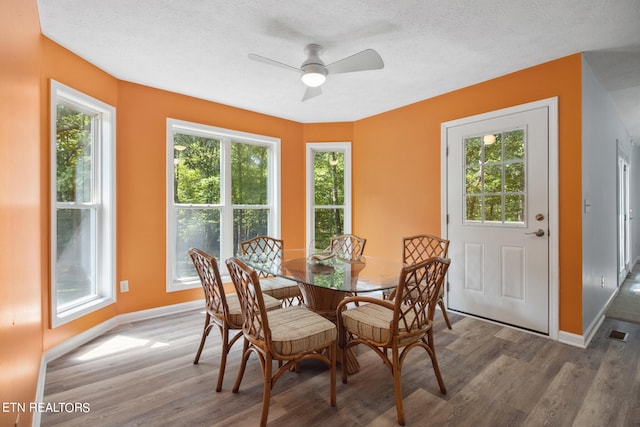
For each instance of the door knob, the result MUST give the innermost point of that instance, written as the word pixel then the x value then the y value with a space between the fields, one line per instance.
pixel 539 232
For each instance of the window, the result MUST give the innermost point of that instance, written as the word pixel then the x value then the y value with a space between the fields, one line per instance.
pixel 222 188
pixel 82 204
pixel 328 192
pixel 495 178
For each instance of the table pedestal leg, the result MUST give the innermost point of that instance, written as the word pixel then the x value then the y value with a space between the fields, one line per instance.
pixel 324 301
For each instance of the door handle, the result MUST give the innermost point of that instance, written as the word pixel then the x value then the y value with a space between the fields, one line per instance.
pixel 539 232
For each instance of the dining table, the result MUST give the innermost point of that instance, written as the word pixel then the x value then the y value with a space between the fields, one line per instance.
pixel 325 279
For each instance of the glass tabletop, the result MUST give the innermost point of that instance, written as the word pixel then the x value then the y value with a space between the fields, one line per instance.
pixel 364 275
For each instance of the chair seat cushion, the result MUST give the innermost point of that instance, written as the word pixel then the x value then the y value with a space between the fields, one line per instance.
pixel 373 322
pixel 235 311
pixel 297 329
pixel 279 287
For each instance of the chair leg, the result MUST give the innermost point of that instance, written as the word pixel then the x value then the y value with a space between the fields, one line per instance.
pixel 434 362
pixel 224 332
pixel 397 387
pixel 266 398
pixel 333 350
pixel 444 313
pixel 205 333
pixel 243 365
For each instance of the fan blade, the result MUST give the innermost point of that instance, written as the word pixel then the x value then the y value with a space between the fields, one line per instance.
pixel 272 62
pixel 311 92
pixel 366 60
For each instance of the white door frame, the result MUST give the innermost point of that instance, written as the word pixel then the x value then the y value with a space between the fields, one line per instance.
pixel 554 270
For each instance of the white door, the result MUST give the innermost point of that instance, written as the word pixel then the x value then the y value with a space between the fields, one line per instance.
pixel 498 209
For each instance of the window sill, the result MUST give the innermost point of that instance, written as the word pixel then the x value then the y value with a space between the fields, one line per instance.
pixel 74 313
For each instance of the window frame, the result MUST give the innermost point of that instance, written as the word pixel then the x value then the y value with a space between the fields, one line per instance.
pixel 315 147
pixel 103 203
pixel 226 207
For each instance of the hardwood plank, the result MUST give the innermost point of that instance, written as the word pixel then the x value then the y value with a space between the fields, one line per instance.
pixel 494 376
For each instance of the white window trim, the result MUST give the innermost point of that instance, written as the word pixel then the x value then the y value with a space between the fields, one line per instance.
pixel 106 229
pixel 226 233
pixel 315 147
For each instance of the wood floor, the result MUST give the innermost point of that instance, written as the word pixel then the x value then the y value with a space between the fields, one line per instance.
pixel 495 376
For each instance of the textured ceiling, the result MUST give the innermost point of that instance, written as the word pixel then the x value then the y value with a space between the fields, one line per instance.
pixel 430 47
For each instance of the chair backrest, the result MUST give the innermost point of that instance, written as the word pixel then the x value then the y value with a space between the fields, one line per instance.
pixel 266 249
pixel 417 295
pixel 348 246
pixel 255 324
pixel 423 246
pixel 207 268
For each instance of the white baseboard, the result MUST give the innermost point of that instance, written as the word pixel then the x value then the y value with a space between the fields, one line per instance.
pixel 86 336
pixel 572 339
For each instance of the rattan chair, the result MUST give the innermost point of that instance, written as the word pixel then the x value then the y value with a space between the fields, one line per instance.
pixel 222 310
pixel 397 326
pixel 289 335
pixel 421 247
pixel 348 247
pixel 269 250
pixel 424 246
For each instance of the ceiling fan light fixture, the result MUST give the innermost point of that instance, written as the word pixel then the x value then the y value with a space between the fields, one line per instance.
pixel 314 75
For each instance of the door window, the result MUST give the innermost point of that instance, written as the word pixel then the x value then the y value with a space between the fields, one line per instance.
pixel 494 181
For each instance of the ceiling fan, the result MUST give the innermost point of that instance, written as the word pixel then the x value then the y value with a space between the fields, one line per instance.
pixel 314 72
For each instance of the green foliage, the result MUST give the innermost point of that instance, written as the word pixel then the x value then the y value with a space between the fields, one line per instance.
pixel 328 172
pixel 495 177
pixel 73 155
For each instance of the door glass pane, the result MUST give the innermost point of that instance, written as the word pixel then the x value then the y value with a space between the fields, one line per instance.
pixel 195 228
pixel 75 270
pixel 473 211
pixel 514 145
pixel 196 169
pixel 74 155
pixel 249 173
pixel 514 208
pixel 473 180
pixel 495 177
pixel 514 177
pixel 493 208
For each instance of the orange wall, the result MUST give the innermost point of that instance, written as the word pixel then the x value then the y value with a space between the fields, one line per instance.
pixel 65 67
pixel 21 214
pixel 141 172
pixel 397 185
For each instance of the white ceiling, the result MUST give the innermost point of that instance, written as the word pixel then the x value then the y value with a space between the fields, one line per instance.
pixel 430 47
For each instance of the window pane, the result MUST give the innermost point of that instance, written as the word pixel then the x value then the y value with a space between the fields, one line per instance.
pixel 196 169
pixel 328 223
pixel 514 208
pixel 75 270
pixel 74 159
pixel 249 169
pixel 247 224
pixel 328 170
pixel 196 228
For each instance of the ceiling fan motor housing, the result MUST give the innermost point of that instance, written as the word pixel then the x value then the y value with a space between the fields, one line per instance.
pixel 313 69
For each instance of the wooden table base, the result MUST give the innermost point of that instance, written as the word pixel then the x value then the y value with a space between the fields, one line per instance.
pixel 324 301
